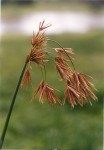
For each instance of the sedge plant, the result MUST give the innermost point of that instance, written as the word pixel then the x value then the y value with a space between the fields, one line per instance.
pixel 78 90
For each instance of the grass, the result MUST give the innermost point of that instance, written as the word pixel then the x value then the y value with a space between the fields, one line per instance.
pixel 34 125
pixel 12 11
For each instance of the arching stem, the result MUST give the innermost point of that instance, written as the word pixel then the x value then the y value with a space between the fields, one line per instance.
pixel 65 52
pixel 43 73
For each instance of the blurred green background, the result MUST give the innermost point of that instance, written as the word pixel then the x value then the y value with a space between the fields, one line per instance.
pixel 37 126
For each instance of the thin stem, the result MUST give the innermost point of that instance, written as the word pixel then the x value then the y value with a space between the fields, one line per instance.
pixel 64 50
pixel 44 72
pixel 11 107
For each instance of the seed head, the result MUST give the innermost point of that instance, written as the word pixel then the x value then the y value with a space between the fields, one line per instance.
pixel 42 26
pixel 46 93
pixel 39 40
pixel 62 67
pixel 78 89
pixel 26 79
pixel 65 51
pixel 73 96
pixel 37 56
pixel 84 86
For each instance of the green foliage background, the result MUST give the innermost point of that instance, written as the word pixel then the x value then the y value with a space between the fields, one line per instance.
pixel 33 125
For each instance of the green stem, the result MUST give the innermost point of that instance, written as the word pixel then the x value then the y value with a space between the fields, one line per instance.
pixel 64 50
pixel 11 107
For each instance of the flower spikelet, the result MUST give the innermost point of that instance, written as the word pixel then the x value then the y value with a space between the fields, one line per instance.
pixel 62 67
pixel 42 26
pixel 87 85
pixel 46 93
pixel 40 88
pixel 84 86
pixel 65 51
pixel 39 40
pixel 37 56
pixel 73 95
pixel 26 79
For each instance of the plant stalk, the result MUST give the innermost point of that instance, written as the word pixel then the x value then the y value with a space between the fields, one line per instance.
pixel 11 107
pixel 64 50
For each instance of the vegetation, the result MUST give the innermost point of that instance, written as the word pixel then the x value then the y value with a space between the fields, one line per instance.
pixel 10 11
pixel 34 125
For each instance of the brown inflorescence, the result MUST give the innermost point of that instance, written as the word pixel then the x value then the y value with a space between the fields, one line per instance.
pixel 78 89
pixel 26 79
pixel 39 40
pixel 47 93
pixel 37 56
pixel 66 52
pixel 62 67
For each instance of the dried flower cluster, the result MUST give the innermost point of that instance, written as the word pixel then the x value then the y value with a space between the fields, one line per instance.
pixel 78 89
